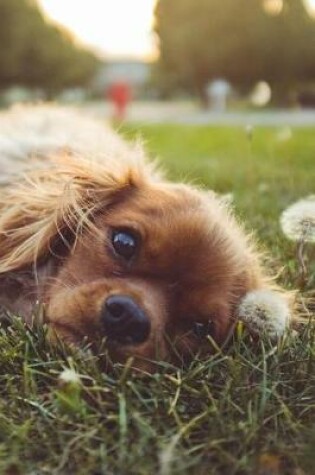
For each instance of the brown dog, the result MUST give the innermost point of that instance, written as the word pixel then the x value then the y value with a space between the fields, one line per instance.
pixel 112 250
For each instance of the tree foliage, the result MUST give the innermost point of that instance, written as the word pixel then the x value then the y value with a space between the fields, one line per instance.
pixel 239 40
pixel 36 53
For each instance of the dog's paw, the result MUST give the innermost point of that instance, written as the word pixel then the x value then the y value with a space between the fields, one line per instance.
pixel 265 312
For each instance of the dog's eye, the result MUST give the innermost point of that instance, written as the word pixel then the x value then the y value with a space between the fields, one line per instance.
pixel 201 330
pixel 125 243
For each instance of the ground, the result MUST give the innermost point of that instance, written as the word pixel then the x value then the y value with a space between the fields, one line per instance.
pixel 189 112
pixel 247 410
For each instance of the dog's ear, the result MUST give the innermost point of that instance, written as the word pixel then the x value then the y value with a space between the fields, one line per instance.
pixel 52 205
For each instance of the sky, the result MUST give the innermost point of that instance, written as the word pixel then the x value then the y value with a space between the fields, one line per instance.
pixel 115 28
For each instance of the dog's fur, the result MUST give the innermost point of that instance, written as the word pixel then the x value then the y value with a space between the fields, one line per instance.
pixel 194 263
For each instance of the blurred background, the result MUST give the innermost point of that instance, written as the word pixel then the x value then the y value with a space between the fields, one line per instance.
pixel 159 60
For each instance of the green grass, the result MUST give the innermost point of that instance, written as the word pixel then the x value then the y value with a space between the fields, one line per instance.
pixel 247 410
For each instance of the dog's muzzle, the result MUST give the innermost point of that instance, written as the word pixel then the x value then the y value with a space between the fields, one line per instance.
pixel 124 321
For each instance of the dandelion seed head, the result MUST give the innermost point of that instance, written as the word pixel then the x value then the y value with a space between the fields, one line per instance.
pixel 69 376
pixel 249 131
pixel 298 221
pixel 265 311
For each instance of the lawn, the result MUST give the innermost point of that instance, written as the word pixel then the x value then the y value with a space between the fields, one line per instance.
pixel 247 410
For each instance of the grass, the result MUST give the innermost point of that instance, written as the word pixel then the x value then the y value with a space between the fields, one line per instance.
pixel 247 410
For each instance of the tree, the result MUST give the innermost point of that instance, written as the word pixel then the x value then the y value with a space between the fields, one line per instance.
pixel 35 53
pixel 239 40
pixel 290 61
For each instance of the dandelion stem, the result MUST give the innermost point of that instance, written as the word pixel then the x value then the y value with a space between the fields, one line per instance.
pixel 302 269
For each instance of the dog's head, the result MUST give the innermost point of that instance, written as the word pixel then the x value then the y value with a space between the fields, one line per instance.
pixel 153 267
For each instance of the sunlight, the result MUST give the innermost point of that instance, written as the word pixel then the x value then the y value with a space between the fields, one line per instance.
pixel 310 5
pixel 114 28
pixel 119 27
pixel 273 7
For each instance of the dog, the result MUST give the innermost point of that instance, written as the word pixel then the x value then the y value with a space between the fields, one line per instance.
pixel 93 232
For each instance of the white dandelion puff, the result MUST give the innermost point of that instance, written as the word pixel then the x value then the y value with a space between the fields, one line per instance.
pixel 298 221
pixel 249 131
pixel 265 312
pixel 69 392
pixel 69 376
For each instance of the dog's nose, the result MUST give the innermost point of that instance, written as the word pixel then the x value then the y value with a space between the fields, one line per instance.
pixel 124 321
